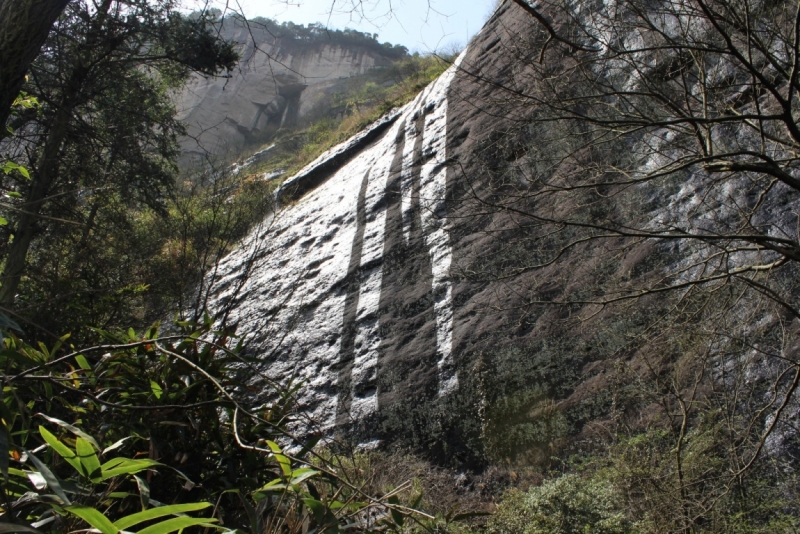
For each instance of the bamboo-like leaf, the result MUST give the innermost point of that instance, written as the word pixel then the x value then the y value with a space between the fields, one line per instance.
pixel 9 528
pixel 283 461
pixel 116 445
pixel 273 485
pixel 94 518
pixel 317 509
pixel 299 475
pixel 127 467
pixel 64 451
pixel 144 491
pixel 156 389
pixel 88 458
pixel 154 513
pixel 83 362
pixel 50 478
pixel 253 517
pixel 397 517
pixel 176 523
pixel 75 430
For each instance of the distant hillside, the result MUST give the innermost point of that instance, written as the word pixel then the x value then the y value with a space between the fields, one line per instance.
pixel 286 70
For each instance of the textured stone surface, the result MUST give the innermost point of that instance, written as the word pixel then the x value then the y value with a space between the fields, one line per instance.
pixel 360 285
pixel 350 287
pixel 317 290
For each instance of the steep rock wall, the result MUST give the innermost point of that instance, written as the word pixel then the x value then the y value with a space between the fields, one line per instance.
pixel 350 287
pixel 405 306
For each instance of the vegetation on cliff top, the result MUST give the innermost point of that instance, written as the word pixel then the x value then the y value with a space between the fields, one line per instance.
pixel 363 100
pixel 289 32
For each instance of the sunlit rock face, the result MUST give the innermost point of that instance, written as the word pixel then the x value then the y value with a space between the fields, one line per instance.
pixel 349 286
pixel 402 303
pixel 277 84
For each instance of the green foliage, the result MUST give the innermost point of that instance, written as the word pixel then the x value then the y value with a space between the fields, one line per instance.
pixel 102 145
pixel 108 435
pixel 9 168
pixel 291 33
pixel 90 492
pixel 564 505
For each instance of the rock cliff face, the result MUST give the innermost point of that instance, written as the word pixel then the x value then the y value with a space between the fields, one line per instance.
pixel 385 287
pixel 352 287
pixel 278 83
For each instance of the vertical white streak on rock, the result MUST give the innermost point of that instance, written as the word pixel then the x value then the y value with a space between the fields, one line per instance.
pixel 411 133
pixel 367 339
pixel 433 187
pixel 406 172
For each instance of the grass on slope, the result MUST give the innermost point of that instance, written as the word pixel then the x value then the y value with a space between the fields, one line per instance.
pixel 390 88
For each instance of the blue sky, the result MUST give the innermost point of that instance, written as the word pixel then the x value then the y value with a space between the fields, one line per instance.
pixel 420 25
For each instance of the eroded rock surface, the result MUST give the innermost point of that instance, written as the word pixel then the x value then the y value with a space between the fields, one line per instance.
pixel 369 284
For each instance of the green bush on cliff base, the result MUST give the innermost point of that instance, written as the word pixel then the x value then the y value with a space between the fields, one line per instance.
pixel 149 426
pixel 564 505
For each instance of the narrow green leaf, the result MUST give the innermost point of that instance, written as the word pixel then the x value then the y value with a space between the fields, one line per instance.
pixel 144 491
pixel 94 518
pixel 116 445
pixel 10 166
pixel 285 463
pixel 128 467
pixel 312 490
pixel 63 451
pixel 156 389
pixel 299 475
pixel 9 528
pixel 397 517
pixel 112 463
pixel 50 478
pixel 273 485
pixel 317 508
pixel 154 513
pixel 310 444
pixel 253 517
pixel 88 458
pixel 75 430
pixel 83 362
pixel 176 523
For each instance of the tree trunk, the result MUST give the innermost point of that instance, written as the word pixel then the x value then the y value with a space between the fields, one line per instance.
pixel 25 228
pixel 24 26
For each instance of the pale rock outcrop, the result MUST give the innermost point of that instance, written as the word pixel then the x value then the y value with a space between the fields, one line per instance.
pixel 278 83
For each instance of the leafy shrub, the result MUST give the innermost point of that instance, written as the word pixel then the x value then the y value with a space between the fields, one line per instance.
pixel 565 505
pixel 155 424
